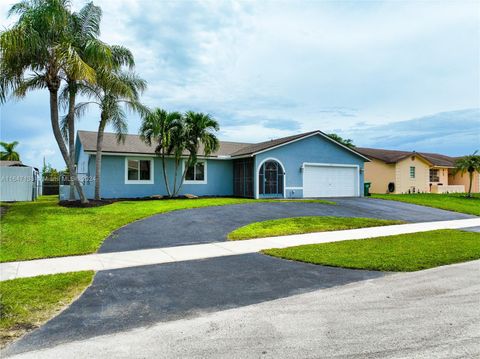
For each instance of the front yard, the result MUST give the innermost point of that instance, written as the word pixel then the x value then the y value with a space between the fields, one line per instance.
pixel 41 229
pixel 298 225
pixel 400 253
pixel 456 202
pixel 26 303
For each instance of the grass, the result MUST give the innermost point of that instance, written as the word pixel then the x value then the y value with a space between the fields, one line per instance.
pixel 457 202
pixel 298 225
pixel 400 253
pixel 26 303
pixel 41 229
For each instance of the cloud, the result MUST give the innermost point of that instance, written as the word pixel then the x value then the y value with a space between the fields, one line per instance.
pixel 269 69
pixel 452 133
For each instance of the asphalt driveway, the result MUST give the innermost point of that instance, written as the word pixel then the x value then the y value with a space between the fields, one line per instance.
pixel 123 299
pixel 212 224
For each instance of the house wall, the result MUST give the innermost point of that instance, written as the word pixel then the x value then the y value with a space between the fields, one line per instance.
pixel 379 174
pixel 458 179
pixel 219 179
pixel 314 149
pixel 403 182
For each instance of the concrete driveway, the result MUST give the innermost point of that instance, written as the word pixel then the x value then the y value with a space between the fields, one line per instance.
pixel 125 299
pixel 212 224
pixel 426 314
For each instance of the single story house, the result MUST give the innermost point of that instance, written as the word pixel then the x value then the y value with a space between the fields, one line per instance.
pixel 392 171
pixel 19 182
pixel 305 165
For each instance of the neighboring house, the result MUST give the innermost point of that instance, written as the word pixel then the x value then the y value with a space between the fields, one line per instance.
pixel 305 165
pixel 18 182
pixel 410 172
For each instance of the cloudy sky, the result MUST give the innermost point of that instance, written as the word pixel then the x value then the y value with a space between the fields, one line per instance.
pixel 388 74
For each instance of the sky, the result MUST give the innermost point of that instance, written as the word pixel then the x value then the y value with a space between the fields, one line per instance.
pixel 388 74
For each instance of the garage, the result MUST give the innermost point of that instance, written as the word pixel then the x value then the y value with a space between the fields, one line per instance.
pixel 332 180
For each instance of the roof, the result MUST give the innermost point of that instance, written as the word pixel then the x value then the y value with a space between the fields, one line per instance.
pixel 393 156
pixel 133 144
pixel 12 164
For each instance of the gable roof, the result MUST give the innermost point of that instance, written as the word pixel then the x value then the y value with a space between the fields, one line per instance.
pixel 12 164
pixel 133 144
pixel 393 156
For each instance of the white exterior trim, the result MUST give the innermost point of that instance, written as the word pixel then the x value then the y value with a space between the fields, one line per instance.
pixel 257 173
pixel 152 170
pixel 294 188
pixel 357 173
pixel 310 135
pixel 204 175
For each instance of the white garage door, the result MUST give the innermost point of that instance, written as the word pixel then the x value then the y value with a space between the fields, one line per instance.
pixel 330 181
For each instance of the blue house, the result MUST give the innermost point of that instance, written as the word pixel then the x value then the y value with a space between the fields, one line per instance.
pixel 301 166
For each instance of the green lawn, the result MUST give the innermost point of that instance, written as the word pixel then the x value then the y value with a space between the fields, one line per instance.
pixel 25 303
pixel 453 202
pixel 43 229
pixel 298 225
pixel 400 253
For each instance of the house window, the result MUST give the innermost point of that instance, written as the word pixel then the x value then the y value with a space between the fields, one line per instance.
pixel 412 171
pixel 434 176
pixel 196 174
pixel 139 171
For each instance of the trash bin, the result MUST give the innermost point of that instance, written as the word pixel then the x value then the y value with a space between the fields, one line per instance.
pixel 366 188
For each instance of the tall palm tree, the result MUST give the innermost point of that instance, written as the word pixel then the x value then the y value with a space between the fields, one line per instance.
pixel 9 153
pixel 163 129
pixel 113 92
pixel 199 128
pixel 36 53
pixel 470 164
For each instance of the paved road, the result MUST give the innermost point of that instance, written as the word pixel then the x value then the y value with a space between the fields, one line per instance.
pixel 212 224
pixel 427 314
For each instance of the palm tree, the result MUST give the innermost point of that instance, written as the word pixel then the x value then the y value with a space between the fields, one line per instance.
pixel 36 53
pixel 199 129
pixel 163 128
pixel 113 91
pixel 9 153
pixel 344 141
pixel 470 164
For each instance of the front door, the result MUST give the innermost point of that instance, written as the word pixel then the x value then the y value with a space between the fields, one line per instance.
pixel 270 180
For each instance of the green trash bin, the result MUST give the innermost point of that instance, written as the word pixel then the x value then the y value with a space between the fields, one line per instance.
pixel 366 188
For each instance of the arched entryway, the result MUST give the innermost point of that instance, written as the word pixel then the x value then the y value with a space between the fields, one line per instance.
pixel 271 179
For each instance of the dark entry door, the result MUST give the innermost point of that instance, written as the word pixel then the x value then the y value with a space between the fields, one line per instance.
pixel 271 179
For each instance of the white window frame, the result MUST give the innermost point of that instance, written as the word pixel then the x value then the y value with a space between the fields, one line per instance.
pixel 414 172
pixel 204 174
pixel 152 172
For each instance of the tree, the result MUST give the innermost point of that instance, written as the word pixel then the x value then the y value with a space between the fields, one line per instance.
pixel 113 91
pixel 49 173
pixel 346 142
pixel 36 53
pixel 470 164
pixel 164 129
pixel 85 29
pixel 9 153
pixel 198 132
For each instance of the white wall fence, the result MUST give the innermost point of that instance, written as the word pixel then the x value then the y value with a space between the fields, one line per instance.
pixel 19 184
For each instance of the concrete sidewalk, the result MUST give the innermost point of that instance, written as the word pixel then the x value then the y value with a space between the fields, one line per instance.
pixel 107 261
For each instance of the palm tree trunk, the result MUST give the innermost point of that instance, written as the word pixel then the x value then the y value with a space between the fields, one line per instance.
pixel 61 144
pixel 187 165
pixel 98 157
pixel 71 135
pixel 470 175
pixel 165 177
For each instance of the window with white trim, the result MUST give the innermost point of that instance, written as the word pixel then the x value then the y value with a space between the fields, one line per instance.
pixel 412 171
pixel 139 171
pixel 196 173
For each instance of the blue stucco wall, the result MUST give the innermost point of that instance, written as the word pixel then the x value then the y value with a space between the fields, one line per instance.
pixel 314 149
pixel 219 179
